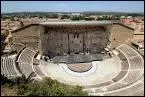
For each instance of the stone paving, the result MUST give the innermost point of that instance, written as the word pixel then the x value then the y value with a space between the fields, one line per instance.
pixel 105 70
pixel 77 58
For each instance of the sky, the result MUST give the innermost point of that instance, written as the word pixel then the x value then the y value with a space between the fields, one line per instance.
pixel 72 6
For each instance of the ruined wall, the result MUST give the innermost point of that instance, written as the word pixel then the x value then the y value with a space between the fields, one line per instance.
pixel 54 41
pixel 74 39
pixel 62 39
pixel 29 36
pixel 120 34
pixel 138 37
pixel 96 41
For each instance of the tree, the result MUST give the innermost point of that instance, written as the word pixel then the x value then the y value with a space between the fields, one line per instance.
pixel 5 80
pixel 65 17
pixel 49 87
pixel 75 18
pixel 12 19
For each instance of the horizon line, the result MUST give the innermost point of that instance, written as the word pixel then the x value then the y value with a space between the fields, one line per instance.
pixel 70 11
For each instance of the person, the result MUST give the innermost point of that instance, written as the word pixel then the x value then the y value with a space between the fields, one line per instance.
pixel 87 50
pixel 109 55
pixel 68 53
pixel 45 58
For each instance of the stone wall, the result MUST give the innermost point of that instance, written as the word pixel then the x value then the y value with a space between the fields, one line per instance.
pixel 138 37
pixel 120 34
pixel 55 40
pixel 60 40
pixel 29 36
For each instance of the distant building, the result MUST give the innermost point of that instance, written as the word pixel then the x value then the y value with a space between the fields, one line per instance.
pixel 76 14
pixel 137 24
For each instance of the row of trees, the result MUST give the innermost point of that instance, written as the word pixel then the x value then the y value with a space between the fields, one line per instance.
pixel 62 17
pixel 4 17
pixel 49 87
pixel 75 17
pixel 90 18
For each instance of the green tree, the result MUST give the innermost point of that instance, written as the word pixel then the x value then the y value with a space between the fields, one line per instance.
pixel 65 17
pixel 49 87
pixel 5 80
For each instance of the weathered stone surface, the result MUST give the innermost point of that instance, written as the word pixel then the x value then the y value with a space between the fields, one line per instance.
pixel 72 39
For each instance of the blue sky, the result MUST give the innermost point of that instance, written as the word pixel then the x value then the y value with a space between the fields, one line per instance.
pixel 72 6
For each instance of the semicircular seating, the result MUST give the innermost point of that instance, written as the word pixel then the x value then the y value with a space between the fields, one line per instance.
pixel 128 50
pixel 8 68
pixel 38 71
pixel 19 47
pixel 126 91
pixel 125 83
pixel 25 61
pixel 124 66
pixel 136 63
pixel 128 82
pixel 26 56
pixel 134 73
pixel 25 68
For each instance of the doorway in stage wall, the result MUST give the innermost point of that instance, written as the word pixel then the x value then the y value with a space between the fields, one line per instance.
pixel 76 42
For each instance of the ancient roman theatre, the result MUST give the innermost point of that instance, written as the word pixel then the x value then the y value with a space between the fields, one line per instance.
pixel 96 55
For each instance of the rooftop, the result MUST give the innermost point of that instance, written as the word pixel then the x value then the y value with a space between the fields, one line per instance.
pixel 78 23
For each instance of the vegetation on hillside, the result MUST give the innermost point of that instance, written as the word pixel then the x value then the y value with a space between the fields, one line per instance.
pixel 49 87
pixel 3 37
pixel 65 15
pixel 46 87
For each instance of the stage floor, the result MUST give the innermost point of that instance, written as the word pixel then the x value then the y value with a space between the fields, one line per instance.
pixel 80 67
pixel 77 58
